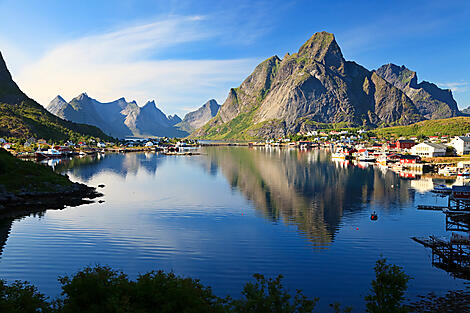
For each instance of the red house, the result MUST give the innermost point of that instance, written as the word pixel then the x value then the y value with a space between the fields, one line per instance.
pixel 410 159
pixel 405 144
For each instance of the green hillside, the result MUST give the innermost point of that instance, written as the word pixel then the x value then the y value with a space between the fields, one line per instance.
pixel 23 117
pixel 29 119
pixel 16 174
pixel 454 126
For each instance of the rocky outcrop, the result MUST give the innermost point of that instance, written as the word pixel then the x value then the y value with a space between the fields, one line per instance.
pixel 315 85
pixel 431 101
pixel 118 118
pixel 194 120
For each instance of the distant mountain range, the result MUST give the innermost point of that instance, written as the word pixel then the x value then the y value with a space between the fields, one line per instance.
pixel 317 86
pixel 121 119
pixel 22 117
pixel 196 119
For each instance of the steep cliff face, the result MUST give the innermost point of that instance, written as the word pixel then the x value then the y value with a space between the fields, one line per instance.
pixel 431 101
pixel 194 120
pixel 314 85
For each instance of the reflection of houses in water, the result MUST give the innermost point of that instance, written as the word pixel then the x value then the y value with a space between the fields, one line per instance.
pixel 422 185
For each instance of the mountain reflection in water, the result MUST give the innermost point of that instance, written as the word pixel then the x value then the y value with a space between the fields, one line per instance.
pixel 305 188
pixel 228 213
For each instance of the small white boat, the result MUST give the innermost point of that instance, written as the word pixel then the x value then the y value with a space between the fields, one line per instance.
pixel 442 189
pixel 49 154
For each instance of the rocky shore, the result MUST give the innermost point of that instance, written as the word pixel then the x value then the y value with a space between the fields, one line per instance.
pixel 23 202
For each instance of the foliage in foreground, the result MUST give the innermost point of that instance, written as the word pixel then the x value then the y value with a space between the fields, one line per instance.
pixel 104 290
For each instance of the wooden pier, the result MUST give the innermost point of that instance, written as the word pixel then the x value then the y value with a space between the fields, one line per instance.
pixel 432 207
pixel 452 256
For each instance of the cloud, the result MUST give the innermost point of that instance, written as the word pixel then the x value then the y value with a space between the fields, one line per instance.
pixel 456 86
pixel 122 63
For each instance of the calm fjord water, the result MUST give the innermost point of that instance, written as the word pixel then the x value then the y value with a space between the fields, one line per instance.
pixel 229 213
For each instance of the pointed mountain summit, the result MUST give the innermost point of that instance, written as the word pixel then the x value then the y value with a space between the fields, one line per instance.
pixel 118 118
pixel 431 101
pixel 322 47
pixel 9 90
pixel 194 120
pixel 314 86
pixel 174 119
pixel 23 117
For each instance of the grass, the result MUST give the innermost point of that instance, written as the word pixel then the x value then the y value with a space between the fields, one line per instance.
pixel 455 126
pixel 16 174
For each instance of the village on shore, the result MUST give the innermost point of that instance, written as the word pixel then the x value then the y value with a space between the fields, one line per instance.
pixel 441 156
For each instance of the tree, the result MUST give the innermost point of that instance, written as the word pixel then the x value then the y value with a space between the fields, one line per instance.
pixel 269 296
pixel 388 289
pixel 21 297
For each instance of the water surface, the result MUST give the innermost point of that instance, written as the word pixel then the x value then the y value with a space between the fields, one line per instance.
pixel 231 212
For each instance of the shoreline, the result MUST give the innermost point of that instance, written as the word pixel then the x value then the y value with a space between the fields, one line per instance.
pixel 23 203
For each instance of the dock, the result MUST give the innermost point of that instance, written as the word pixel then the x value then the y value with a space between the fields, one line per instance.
pixel 432 207
pixel 451 256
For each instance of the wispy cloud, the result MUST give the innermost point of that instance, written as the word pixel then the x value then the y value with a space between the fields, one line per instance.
pixel 121 63
pixel 456 87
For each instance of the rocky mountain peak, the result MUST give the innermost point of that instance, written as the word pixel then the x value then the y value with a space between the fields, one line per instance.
pixel 4 73
pixel 82 96
pixel 401 76
pixel 213 106
pixel 58 98
pixel 431 101
pixel 150 105
pixel 322 47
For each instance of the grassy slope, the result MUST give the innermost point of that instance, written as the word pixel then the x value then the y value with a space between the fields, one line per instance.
pixel 16 174
pixel 29 119
pixel 449 126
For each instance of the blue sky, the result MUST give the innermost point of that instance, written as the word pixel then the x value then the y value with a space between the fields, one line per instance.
pixel 182 53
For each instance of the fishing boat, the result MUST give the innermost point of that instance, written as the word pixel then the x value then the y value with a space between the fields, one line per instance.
pixel 443 189
pixel 374 216
pixel 49 154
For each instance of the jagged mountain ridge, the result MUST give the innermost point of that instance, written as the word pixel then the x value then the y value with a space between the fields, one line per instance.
pixel 118 118
pixel 21 116
pixel 196 119
pixel 431 101
pixel 314 85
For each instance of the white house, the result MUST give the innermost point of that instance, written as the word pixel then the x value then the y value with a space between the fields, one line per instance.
pixel 428 149
pixel 149 144
pixel 101 145
pixel 461 144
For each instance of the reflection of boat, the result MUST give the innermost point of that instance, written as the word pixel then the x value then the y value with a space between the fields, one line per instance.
pixel 442 189
pixel 382 160
pixel 49 153
pixel 338 155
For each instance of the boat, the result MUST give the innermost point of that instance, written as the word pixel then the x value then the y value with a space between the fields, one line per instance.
pixel 464 174
pixel 374 216
pixel 49 154
pixel 443 189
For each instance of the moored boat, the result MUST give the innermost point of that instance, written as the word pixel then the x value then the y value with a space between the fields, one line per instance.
pixel 49 154
pixel 442 189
